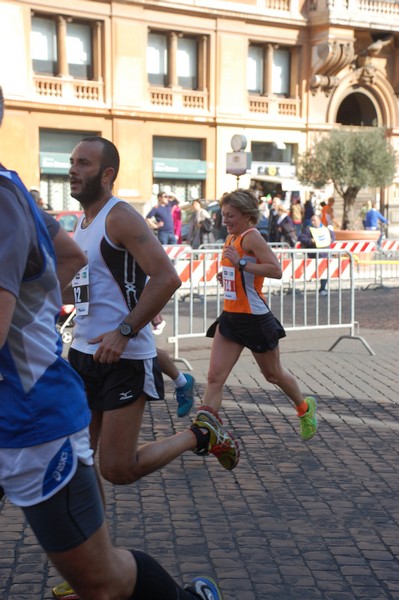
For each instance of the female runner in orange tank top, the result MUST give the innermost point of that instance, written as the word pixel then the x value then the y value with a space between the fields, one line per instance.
pixel 246 320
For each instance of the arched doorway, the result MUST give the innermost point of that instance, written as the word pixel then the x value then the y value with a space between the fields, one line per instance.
pixel 357 109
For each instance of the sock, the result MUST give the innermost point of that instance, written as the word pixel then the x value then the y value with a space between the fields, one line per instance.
pixel 202 437
pixel 153 582
pixel 302 408
pixel 180 381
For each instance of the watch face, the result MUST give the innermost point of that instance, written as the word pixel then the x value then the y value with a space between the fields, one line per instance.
pixel 125 329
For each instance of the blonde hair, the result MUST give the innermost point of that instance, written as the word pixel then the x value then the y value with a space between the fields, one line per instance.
pixel 245 201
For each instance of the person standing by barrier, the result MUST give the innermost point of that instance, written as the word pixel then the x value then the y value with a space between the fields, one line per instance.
pixel 296 214
pixel 246 320
pixel 46 464
pixel 373 220
pixel 161 221
pixel 200 226
pixel 317 236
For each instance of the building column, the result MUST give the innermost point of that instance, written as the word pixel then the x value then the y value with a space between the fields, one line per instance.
pixel 172 60
pixel 97 52
pixel 202 63
pixel 62 62
pixel 268 70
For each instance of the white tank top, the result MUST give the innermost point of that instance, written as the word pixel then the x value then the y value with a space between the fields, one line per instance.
pixel 107 289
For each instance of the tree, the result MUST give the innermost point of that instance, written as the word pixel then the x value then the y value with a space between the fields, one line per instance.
pixel 351 160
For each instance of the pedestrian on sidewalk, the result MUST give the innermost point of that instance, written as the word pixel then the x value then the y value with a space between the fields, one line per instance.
pixel 46 463
pixel 246 320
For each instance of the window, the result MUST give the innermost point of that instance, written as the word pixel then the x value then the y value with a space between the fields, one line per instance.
pixel 44 46
pixel 281 72
pixel 187 54
pixel 157 59
pixel 255 70
pixel 79 50
pixel 268 70
pixel 273 152
pixel 176 60
pixel 65 47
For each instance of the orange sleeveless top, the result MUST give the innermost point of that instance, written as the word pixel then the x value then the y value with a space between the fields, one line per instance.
pixel 242 290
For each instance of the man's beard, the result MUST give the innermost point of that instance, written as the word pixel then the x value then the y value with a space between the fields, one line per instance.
pixel 92 190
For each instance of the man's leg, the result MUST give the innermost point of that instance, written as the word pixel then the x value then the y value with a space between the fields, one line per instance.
pixel 71 529
pixel 121 460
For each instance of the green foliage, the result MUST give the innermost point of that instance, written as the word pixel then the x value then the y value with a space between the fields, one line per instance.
pixel 351 160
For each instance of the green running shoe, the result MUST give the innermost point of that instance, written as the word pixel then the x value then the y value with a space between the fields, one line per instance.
pixel 308 421
pixel 63 591
pixel 220 442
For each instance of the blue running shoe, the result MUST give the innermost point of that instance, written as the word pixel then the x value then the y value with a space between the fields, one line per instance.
pixel 204 588
pixel 185 396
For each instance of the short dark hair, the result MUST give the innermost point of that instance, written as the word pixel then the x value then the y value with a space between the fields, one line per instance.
pixel 1 105
pixel 110 154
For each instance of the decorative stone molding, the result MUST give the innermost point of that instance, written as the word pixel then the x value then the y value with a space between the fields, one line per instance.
pixel 331 58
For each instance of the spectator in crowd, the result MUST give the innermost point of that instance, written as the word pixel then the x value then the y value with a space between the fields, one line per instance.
pixel 46 463
pixel 296 215
pixel 200 226
pixel 273 234
pixel 308 212
pixel 374 219
pixel 327 214
pixel 176 216
pixel 363 212
pixel 317 236
pixel 263 224
pixel 285 227
pixel 161 221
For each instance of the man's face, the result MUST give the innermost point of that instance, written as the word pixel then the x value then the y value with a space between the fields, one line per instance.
pixel 86 173
pixel 315 221
pixel 163 200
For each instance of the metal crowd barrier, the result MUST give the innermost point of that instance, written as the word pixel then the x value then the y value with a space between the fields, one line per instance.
pixel 294 299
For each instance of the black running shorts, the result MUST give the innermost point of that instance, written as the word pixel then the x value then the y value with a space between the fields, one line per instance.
pixel 109 387
pixel 258 333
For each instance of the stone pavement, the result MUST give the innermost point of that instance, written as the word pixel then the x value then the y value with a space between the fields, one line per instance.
pixel 315 521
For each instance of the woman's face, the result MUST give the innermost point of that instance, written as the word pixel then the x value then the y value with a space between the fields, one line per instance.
pixel 235 221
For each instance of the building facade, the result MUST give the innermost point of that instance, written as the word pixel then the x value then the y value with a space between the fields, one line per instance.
pixel 172 83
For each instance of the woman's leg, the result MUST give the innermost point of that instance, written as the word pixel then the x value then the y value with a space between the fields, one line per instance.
pixel 224 355
pixel 272 369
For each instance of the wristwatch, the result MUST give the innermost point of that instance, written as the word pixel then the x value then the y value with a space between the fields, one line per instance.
pixel 242 263
pixel 127 330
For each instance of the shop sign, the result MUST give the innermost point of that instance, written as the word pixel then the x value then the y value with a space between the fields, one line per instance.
pixel 178 168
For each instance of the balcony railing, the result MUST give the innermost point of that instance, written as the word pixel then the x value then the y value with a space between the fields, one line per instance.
pixel 54 89
pixel 178 99
pixel 282 107
pixel 374 13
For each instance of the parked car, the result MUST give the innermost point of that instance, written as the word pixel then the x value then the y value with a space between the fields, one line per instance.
pixel 66 218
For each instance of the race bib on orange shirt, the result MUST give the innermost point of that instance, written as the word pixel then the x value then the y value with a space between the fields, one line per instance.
pixel 229 283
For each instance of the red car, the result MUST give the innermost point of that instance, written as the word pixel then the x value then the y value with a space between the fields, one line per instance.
pixel 67 218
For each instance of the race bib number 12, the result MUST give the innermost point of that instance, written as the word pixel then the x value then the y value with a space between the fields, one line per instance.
pixel 80 285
